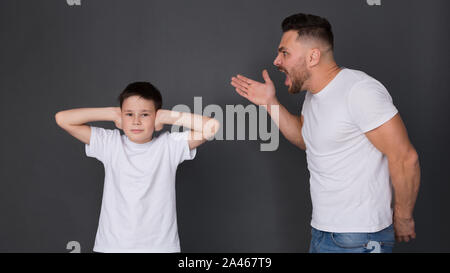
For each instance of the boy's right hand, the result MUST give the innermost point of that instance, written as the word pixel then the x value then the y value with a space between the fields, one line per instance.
pixel 118 117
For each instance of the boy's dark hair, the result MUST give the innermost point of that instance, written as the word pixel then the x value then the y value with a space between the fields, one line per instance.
pixel 308 25
pixel 145 90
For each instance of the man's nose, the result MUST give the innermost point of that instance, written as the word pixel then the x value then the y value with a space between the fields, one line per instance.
pixel 277 61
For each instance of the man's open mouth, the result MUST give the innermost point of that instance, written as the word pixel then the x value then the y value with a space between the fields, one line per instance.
pixel 287 81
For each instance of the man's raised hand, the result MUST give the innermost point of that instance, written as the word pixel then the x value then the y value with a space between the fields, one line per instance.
pixel 256 92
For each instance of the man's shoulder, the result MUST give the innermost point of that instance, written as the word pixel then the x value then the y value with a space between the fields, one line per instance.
pixel 359 78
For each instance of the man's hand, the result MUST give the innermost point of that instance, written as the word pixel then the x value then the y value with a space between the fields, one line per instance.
pixel 404 229
pixel 263 94
pixel 256 92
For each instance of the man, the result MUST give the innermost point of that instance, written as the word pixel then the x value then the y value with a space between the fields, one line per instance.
pixel 354 138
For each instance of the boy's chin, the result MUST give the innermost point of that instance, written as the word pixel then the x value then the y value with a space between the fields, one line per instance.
pixel 138 139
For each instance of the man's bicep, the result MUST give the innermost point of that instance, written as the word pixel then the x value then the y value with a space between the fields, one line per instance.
pixel 391 138
pixel 302 144
pixel 80 132
pixel 294 134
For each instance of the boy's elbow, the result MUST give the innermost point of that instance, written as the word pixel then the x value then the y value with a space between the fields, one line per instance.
pixel 216 127
pixel 211 129
pixel 59 119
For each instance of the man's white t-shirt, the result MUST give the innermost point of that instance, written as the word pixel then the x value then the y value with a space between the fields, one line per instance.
pixel 138 212
pixel 349 177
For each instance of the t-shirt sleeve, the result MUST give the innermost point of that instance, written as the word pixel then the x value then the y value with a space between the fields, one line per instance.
pixel 179 146
pixel 99 142
pixel 370 105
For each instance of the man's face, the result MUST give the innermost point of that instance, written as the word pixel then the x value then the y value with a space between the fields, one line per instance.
pixel 291 60
pixel 138 119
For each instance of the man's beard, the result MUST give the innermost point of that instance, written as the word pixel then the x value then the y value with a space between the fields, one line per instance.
pixel 298 78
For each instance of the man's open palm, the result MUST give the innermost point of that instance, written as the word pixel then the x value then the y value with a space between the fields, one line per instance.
pixel 256 92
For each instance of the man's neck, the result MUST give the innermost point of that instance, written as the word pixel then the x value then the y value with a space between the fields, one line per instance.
pixel 322 77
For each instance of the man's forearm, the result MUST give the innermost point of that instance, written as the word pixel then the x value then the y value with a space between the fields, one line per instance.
pixel 82 116
pixel 289 124
pixel 405 176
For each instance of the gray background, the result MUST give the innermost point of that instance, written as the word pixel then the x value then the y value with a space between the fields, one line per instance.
pixel 232 197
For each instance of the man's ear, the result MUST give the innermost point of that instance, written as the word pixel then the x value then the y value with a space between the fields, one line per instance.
pixel 314 57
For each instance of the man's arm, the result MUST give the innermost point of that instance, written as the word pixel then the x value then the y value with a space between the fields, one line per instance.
pixel 74 120
pixel 392 140
pixel 202 128
pixel 263 94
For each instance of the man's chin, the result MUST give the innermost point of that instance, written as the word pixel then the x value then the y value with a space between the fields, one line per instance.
pixel 292 89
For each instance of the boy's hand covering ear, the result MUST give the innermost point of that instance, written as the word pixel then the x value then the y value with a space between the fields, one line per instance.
pixel 158 124
pixel 118 117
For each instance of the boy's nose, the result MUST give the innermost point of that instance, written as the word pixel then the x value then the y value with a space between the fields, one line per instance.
pixel 136 121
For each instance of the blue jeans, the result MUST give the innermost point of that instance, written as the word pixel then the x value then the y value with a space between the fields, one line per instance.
pixel 328 242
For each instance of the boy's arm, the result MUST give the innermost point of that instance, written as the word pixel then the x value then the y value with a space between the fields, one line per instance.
pixel 202 128
pixel 74 120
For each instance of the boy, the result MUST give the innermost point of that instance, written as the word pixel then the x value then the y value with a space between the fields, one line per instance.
pixel 138 212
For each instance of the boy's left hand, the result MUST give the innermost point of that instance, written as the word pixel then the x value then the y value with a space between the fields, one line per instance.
pixel 117 117
pixel 158 120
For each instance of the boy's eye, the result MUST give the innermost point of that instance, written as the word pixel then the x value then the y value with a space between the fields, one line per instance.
pixel 144 115
pixel 129 114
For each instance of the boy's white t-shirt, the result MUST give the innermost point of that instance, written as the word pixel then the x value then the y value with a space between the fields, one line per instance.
pixel 349 177
pixel 138 211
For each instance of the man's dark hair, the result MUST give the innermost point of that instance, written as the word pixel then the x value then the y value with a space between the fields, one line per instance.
pixel 145 90
pixel 308 25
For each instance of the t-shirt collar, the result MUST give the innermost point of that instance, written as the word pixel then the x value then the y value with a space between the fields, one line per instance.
pixel 135 145
pixel 329 86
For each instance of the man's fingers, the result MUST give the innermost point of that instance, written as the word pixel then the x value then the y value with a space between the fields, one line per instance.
pixel 405 238
pixel 266 77
pixel 239 83
pixel 242 93
pixel 246 80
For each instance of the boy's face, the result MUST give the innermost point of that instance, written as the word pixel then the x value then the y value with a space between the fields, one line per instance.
pixel 138 119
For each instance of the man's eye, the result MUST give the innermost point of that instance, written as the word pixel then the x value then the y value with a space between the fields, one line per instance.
pixel 284 53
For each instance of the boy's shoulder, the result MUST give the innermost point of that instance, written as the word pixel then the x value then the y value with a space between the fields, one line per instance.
pixel 104 133
pixel 174 137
